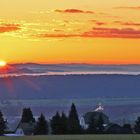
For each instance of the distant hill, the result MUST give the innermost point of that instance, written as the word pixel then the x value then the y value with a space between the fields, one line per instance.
pixel 69 86
pixel 10 69
pixel 79 68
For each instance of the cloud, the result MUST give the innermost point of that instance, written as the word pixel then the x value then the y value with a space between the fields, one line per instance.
pixel 99 23
pixel 127 23
pixel 128 8
pixel 58 35
pixel 99 33
pixel 74 11
pixel 113 33
pixel 9 27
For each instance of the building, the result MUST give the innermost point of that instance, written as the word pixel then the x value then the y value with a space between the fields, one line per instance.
pixel 95 114
pixel 113 129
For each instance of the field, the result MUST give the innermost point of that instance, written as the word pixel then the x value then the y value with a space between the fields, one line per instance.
pixel 76 137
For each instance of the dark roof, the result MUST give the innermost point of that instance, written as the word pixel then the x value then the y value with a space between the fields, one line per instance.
pixel 113 128
pixel 12 125
pixel 111 125
pixel 28 128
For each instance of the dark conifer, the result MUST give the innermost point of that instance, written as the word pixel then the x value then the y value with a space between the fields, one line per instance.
pixel 55 124
pixel 64 124
pixel 73 121
pixel 137 126
pixel 27 116
pixel 42 126
pixel 2 124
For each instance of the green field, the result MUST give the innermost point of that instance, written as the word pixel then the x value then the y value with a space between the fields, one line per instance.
pixel 76 137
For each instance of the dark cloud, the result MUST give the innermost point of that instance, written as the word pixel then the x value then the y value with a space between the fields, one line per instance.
pixel 99 33
pixel 74 11
pixel 9 27
pixel 113 33
pixel 99 23
pixel 127 23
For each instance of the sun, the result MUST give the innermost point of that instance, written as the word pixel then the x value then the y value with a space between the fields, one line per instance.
pixel 2 63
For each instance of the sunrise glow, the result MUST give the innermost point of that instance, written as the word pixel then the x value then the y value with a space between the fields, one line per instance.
pixel 76 31
pixel 2 64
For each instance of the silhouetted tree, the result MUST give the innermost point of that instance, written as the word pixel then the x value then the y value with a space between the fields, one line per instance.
pixel 2 124
pixel 100 125
pixel 42 126
pixel 127 129
pixel 73 121
pixel 64 124
pixel 137 126
pixel 27 116
pixel 91 126
pixel 96 125
pixel 55 124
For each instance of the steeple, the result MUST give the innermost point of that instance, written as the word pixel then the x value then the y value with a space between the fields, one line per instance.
pixel 99 108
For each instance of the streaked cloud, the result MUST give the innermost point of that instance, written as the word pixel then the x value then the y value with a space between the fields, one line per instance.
pixel 9 27
pixel 74 11
pixel 99 33
pixel 127 23
pixel 99 23
pixel 113 33
pixel 57 35
pixel 128 7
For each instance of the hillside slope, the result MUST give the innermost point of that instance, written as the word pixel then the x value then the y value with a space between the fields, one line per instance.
pixel 69 86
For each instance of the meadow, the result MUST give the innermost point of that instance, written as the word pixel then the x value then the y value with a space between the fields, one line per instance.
pixel 76 137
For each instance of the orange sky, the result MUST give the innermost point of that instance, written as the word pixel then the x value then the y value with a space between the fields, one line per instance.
pixel 76 31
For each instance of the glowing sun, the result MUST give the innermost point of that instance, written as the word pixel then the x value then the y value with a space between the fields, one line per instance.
pixel 3 63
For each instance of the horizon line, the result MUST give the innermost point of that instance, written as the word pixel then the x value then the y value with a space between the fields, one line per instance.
pixel 43 63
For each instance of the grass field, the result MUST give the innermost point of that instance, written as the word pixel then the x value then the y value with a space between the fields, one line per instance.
pixel 76 137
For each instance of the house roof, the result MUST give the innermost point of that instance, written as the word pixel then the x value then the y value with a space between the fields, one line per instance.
pixel 113 127
pixel 28 128
pixel 12 125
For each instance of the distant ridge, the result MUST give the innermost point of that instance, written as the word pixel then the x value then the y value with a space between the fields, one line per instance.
pixel 75 68
pixel 70 87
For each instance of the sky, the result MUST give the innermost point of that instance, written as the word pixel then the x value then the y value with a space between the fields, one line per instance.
pixel 70 31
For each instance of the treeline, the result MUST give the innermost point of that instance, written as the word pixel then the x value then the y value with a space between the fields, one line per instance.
pixel 61 124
